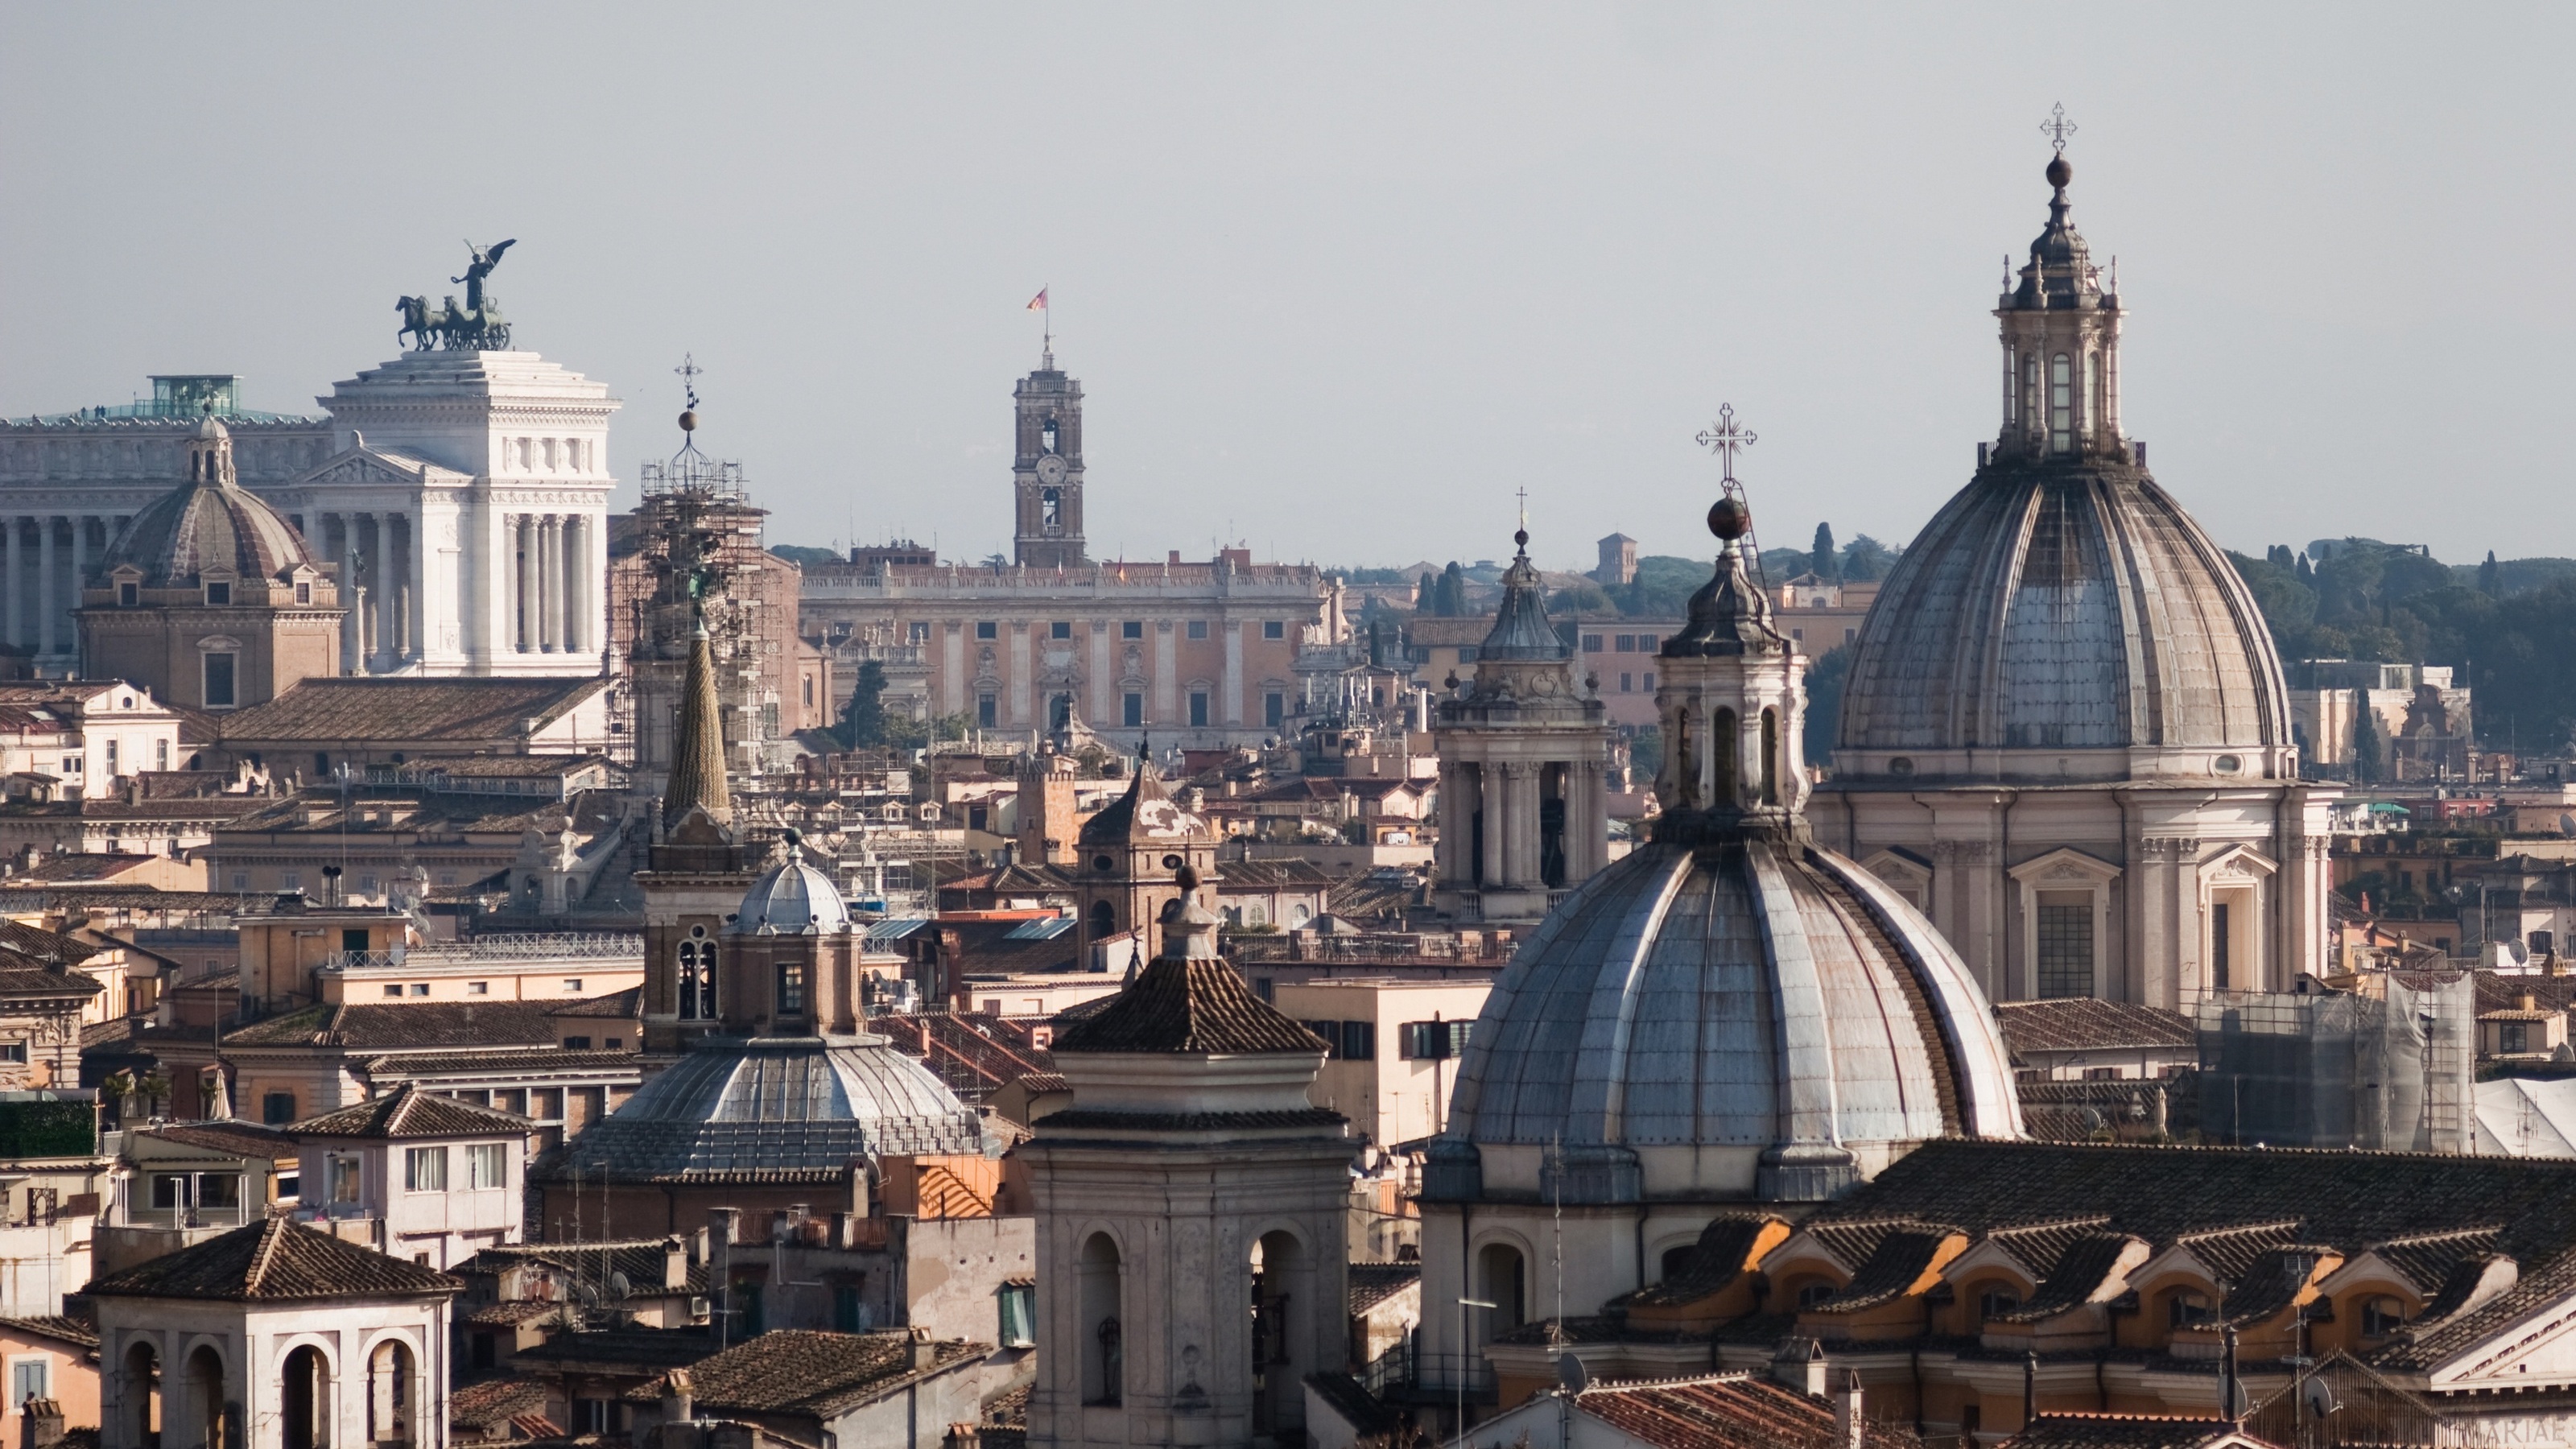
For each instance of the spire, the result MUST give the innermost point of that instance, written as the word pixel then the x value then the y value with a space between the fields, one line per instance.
pixel 2061 336
pixel 1731 697
pixel 697 746
pixel 210 450
pixel 1521 629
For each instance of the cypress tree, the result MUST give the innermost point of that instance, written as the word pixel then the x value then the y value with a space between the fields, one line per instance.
pixel 1826 564
pixel 2491 577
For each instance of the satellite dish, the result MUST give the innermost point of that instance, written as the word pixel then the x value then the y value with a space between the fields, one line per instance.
pixel 1571 1373
pixel 618 1287
pixel 2319 1397
pixel 2243 1397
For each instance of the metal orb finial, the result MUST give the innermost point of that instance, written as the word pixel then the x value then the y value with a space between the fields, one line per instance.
pixel 1729 519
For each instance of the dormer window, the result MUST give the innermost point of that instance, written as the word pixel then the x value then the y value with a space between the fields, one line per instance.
pixel 303 593
pixel 219 592
pixel 129 595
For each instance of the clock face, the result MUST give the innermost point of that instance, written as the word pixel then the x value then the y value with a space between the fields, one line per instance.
pixel 1051 469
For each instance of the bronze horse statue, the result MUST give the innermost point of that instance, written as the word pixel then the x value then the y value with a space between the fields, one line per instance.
pixel 419 321
pixel 451 326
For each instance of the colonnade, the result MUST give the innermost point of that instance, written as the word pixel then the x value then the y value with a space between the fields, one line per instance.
pixel 552 577
pixel 1508 852
pixel 379 559
pixel 43 559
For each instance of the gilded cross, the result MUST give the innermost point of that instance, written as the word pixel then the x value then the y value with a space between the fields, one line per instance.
pixel 1726 438
pixel 2057 128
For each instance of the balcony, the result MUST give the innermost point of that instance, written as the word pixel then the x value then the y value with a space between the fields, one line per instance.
pixel 519 947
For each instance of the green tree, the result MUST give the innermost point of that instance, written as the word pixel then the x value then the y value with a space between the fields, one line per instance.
pixel 1425 595
pixel 863 720
pixel 1827 562
pixel 2491 577
pixel 1866 559
pixel 1449 596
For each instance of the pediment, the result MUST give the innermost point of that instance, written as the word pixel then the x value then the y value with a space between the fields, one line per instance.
pixel 364 465
pixel 2064 866
pixel 2238 862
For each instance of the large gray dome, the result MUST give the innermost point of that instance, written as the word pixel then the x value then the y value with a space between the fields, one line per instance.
pixel 1739 991
pixel 783 1104
pixel 2063 605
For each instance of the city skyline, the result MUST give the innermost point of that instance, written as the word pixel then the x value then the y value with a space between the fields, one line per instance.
pixel 1335 283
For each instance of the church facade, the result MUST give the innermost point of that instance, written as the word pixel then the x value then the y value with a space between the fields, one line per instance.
pixel 2065 736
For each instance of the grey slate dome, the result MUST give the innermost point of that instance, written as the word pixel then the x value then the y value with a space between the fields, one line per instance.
pixel 210 522
pixel 791 899
pixel 792 1104
pixel 2064 605
pixel 1749 992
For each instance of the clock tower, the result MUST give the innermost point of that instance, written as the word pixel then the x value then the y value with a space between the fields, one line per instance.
pixel 1046 469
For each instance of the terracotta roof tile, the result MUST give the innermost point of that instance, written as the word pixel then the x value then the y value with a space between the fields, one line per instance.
pixel 1374 1283
pixel 1731 1411
pixel 461 710
pixel 407 1111
pixel 2123 1431
pixel 1186 1006
pixel 276 1260
pixel 241 1139
pixel 2081 1023
pixel 418 1026
pixel 809 1372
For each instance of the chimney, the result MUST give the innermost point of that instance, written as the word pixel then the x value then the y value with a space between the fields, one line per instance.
pixel 1848 1424
pixel 679 1399
pixel 962 1436
pixel 43 1426
pixel 724 1227
pixel 675 1262
pixel 1800 1364
pixel 924 1352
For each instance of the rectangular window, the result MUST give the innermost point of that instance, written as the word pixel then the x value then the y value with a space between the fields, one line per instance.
pixel 2220 972
pixel 219 681
pixel 1060 629
pixel 1467 654
pixel 30 1378
pixel 1359 1041
pixel 987 629
pixel 1425 1041
pixel 304 593
pixel 160 754
pixel 2513 1036
pixel 1274 709
pixel 1132 629
pixel 1198 628
pixel 13 1051
pixel 1627 684
pixel 1591 643
pixel 576 1043
pixel 1274 628
pixel 394 990
pixel 1649 678
pixel 985 710
pixel 277 1108
pixel 487 1165
pixel 111 757
pixel 425 1169
pixel 2061 404
pixel 71 764
pixel 920 631
pixel 219 593
pixel 1017 1303
pixel 169 1190
pixel 1198 708
pixel 572 986
pixel 2065 965
pixel 346 1175
pixel 129 595
pixel 219 1190
pixel 1625 644
pixel 791 988
pixel 478 988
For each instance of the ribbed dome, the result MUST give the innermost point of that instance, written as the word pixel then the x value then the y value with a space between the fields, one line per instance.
pixel 1739 991
pixel 2063 605
pixel 791 899
pixel 791 1104
pixel 206 525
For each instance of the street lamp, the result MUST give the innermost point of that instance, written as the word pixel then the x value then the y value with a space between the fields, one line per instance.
pixel 1459 1429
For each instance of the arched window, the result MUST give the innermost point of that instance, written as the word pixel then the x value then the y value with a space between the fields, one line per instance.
pixel 1722 730
pixel 393 1394
pixel 791 988
pixel 697 983
pixel 1103 1357
pixel 1676 1260
pixel 2030 387
pixel 2093 412
pixel 1770 757
pixel 142 1395
pixel 2061 404
pixel 1104 919
pixel 1503 1274
pixel 1051 507
pixel 1047 435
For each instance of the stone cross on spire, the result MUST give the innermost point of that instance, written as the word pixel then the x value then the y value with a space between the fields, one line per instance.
pixel 2057 128
pixel 1725 438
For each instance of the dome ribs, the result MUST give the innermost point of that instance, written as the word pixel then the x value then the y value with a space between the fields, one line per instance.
pixel 1900 968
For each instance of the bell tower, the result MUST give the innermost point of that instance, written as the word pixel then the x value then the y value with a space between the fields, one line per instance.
pixel 1046 469
pixel 2061 338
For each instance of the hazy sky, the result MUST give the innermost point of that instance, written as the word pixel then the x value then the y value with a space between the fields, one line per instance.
pixel 1339 280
